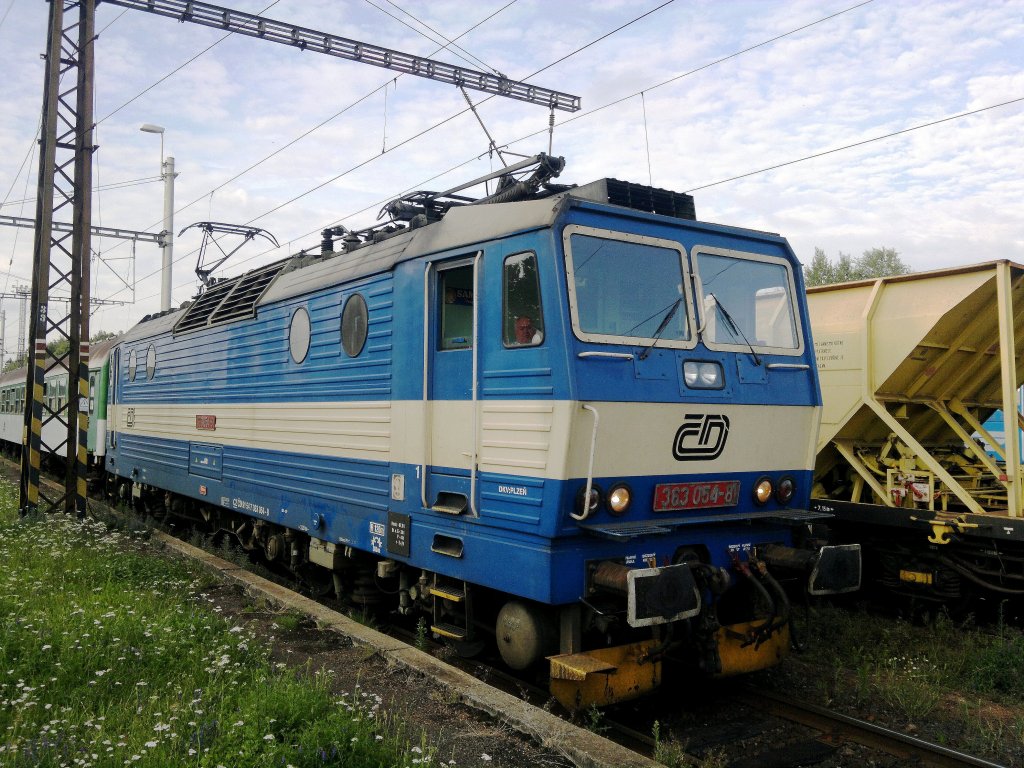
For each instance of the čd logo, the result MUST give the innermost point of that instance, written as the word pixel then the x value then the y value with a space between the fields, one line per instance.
pixel 701 437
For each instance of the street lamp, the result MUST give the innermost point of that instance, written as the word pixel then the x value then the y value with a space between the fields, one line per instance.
pixel 167 236
pixel 150 128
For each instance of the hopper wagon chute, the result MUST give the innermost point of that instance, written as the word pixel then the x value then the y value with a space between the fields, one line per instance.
pixel 911 368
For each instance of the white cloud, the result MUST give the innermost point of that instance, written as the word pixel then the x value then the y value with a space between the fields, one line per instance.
pixel 944 195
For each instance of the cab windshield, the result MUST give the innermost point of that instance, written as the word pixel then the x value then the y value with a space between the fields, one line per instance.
pixel 627 289
pixel 747 301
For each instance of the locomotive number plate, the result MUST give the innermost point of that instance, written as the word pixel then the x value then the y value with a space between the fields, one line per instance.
pixel 670 497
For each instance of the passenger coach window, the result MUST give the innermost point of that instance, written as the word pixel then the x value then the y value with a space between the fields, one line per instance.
pixel 746 301
pixel 522 323
pixel 456 286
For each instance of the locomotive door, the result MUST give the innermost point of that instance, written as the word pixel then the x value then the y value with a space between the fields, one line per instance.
pixel 451 341
pixel 113 383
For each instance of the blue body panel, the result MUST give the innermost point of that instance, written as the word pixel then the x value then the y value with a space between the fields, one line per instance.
pixel 523 542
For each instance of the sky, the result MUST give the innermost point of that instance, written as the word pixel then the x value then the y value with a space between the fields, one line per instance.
pixel 772 113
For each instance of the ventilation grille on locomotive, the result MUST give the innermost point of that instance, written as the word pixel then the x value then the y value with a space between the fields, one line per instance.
pixel 639 197
pixel 230 300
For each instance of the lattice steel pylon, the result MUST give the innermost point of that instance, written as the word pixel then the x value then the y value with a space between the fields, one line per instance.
pixel 61 261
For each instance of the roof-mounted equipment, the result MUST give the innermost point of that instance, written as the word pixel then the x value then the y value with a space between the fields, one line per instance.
pixel 434 205
pixel 204 271
pixel 639 197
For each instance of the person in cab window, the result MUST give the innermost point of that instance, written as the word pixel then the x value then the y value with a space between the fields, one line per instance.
pixel 527 333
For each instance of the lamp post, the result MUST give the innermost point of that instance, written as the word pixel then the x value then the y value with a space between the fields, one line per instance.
pixel 167 174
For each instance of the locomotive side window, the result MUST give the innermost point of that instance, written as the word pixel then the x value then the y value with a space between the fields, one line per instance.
pixel 151 362
pixel 299 332
pixel 354 325
pixel 456 321
pixel 522 322
pixel 747 301
pixel 132 365
pixel 627 288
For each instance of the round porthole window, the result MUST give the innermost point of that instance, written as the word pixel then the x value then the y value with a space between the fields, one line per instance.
pixel 298 335
pixel 151 362
pixel 132 365
pixel 354 321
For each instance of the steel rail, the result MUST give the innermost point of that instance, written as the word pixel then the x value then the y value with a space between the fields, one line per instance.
pixel 844 727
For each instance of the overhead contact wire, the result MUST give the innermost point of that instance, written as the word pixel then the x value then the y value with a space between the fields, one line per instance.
pixel 402 143
pixel 448 44
pixel 175 70
pixel 858 144
pixel 299 138
pixel 576 117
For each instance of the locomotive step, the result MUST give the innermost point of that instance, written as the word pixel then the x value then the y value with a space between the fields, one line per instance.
pixel 449 630
pixel 454 594
pixel 576 666
pixel 450 503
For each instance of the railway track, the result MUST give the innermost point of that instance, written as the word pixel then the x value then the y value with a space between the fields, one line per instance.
pixel 813 734
pixel 769 731
pixel 836 727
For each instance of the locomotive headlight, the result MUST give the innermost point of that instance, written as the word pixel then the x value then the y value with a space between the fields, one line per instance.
pixel 784 493
pixel 585 508
pixel 619 498
pixel 702 375
pixel 763 490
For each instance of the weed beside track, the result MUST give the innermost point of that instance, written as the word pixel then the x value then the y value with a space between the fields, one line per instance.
pixel 111 656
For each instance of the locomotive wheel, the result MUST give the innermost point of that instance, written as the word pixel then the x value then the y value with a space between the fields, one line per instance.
pixel 319 581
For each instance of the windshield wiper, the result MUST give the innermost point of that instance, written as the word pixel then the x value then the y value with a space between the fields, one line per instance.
pixel 735 328
pixel 662 326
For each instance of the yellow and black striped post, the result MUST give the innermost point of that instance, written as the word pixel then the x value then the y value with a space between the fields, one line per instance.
pixel 61 263
pixel 33 428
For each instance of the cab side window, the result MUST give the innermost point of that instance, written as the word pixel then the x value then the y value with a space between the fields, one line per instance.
pixel 522 321
pixel 456 286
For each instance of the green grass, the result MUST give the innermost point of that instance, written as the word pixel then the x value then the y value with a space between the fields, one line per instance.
pixel 952 655
pixel 969 679
pixel 110 655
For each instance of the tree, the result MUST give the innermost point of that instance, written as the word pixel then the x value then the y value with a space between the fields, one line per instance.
pixel 875 262
pixel 55 348
pixel 820 271
pixel 882 262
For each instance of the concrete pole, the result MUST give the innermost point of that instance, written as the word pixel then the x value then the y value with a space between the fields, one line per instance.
pixel 168 174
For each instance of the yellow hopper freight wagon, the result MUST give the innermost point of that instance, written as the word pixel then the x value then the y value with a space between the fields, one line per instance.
pixel 911 367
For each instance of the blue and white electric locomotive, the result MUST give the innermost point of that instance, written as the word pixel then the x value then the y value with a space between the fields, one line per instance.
pixel 553 416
